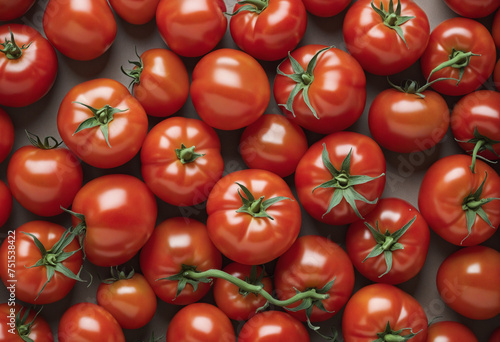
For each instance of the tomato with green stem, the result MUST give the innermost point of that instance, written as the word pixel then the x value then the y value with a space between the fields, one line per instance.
pixel 136 12
pixel 20 324
pixel 273 326
pixel 449 331
pixel 6 135
pixel 325 8
pixel 473 8
pixel 13 9
pixel 5 203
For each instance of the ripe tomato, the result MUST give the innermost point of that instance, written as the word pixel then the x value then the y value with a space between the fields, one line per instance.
pixel 473 8
pixel 325 8
pixel 160 82
pixel 26 55
pixel 229 89
pixel 495 29
pixel 181 160
pixel 88 322
pixel 18 324
pixel 341 177
pixel 273 143
pixel 273 326
pixel 80 30
pixel 5 203
pixel 191 28
pixel 449 331
pixel 331 93
pixel 43 176
pixel 460 206
pixel 44 283
pixel 135 12
pixel 268 29
pixel 176 244
pixel 6 135
pixel 496 75
pixel 253 217
pixel 383 312
pixel 13 9
pixel 111 132
pixel 469 282
pixel 200 322
pixel 383 40
pixel 469 51
pixel 495 336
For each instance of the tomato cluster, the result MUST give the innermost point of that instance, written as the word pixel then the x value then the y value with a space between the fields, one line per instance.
pixel 251 159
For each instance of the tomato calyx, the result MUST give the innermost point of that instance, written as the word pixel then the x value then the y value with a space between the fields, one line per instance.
pixel 481 143
pixel 80 229
pixel 254 279
pixel 412 87
pixel 393 18
pixel 134 73
pixel 187 154
pixel 48 143
pixel 458 60
pixel 255 6
pixel 117 275
pixel 389 335
pixel 11 49
pixel 184 277
pixel 23 328
pixel 256 207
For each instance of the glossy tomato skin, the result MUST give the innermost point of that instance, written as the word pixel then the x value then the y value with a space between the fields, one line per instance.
pixel 6 135
pixel 175 182
pixel 120 215
pixel 273 326
pixel 37 67
pixel 496 75
pixel 175 242
pixel 27 254
pixel 369 310
pixel 5 203
pixel 472 8
pixel 127 130
pixel 449 331
pixel 273 143
pixel 272 33
pixel 80 30
pixel 464 35
pixel 12 9
pixel 40 330
pixel 74 325
pixel 191 28
pixel 137 12
pixel 242 237
pixel 337 92
pixel 378 48
pixel 495 29
pixel 468 281
pixel 229 89
pixel 325 8
pixel 405 123
pixel 445 186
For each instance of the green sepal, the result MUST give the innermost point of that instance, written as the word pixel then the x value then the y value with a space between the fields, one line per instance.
pixel 481 143
pixel 48 143
pixel 253 6
pixel 389 335
pixel 11 49
pixel 392 18
pixel 183 280
pixel 135 73
pixel 23 328
pixel 256 207
pixel 187 154
pixel 117 275
pixel 457 60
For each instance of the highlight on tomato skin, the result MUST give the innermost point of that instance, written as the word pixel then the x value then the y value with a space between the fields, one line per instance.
pixel 472 8
pixel 448 331
pixel 325 8
pixel 135 12
pixel 13 9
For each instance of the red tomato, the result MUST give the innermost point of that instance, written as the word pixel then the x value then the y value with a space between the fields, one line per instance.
pixel 6 135
pixel 378 311
pixel 469 282
pixel 30 287
pixel 28 56
pixel 273 326
pixel 325 8
pixel 181 160
pixel 473 8
pixel 495 29
pixel 87 322
pixel 108 135
pixel 5 203
pixel 495 336
pixel 200 322
pixel 229 89
pixel 178 243
pixel 13 9
pixel 120 215
pixel 470 49
pixel 312 262
pixel 393 248
pixel 160 82
pixel 268 29
pixel 457 204
pixel 191 28
pixel 349 185
pixel 496 75
pixel 386 41
pixel 332 90
pixel 273 143
pixel 80 30
pixel 44 177
pixel 253 217
pixel 135 12
pixel 449 331
pixel 16 326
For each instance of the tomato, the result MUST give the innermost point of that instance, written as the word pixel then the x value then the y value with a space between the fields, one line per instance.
pixel 135 12
pixel 160 82
pixel 468 281
pixel 25 55
pixel 44 177
pixel 129 298
pixel 383 40
pixel 331 93
pixel 313 262
pixel 469 51
pixel 496 75
pixel 176 244
pixel 253 217
pixel 268 29
pixel 200 322
pixel 80 30
pixel 325 8
pixel 273 143
pixel 273 326
pixel 460 206
pixel 13 9
pixel 88 322
pixel 341 177
pixel 5 203
pixel 191 28
pixel 379 312
pixel 181 160
pixel 229 89
pixel 449 331
pixel 473 8
pixel 6 135
pixel 495 29
pixel 44 283
pixel 18 324
pixel 495 336
pixel 111 131
pixel 391 244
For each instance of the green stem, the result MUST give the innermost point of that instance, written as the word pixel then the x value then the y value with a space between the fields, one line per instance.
pixel 388 243
pixel 393 338
pixel 473 204
pixel 477 147
pixel 392 19
pixel 307 79
pixel 259 4
pixel 459 60
pixel 256 206
pixel 187 153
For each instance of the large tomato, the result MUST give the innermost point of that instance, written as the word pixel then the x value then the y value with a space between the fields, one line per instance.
pixel 323 90
pixel 5 203
pixel 449 331
pixel 25 55
pixel 325 8
pixel 496 75
pixel 18 324
pixel 473 8
pixel 273 326
pixel 6 135
pixel 495 29
pixel 135 12
pixel 12 9
pixel 253 217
